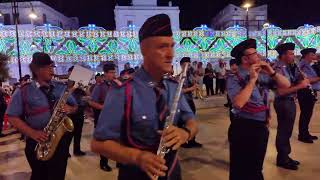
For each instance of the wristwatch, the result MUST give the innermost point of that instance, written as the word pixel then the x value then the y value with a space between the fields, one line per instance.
pixel 188 131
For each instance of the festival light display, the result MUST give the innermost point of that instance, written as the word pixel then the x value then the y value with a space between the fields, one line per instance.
pixel 94 44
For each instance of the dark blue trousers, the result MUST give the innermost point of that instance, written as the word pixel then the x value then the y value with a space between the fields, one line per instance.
pixel 286 114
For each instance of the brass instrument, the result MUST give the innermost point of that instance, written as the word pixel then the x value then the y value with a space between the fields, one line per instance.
pixel 162 149
pixel 58 125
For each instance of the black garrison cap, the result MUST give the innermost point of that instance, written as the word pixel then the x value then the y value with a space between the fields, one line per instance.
pixel 41 59
pixel 283 48
pixel 308 50
pixel 158 25
pixel 238 51
pixel 185 59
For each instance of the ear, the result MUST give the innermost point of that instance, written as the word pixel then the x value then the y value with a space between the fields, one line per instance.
pixel 144 47
pixel 244 59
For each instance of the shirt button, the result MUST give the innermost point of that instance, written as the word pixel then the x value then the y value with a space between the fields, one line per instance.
pixel 144 117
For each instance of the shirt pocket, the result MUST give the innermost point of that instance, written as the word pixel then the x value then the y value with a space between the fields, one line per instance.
pixel 38 101
pixel 144 127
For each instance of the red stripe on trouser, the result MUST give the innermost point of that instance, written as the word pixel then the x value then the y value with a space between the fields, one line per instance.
pixel 173 166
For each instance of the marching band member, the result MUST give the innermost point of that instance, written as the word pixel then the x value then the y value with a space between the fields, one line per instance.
pixel 248 132
pixel 34 102
pixel 129 124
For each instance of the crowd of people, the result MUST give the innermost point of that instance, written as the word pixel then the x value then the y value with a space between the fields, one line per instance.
pixel 130 111
pixel 212 78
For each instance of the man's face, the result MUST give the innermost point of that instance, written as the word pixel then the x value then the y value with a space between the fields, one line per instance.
pixel 311 57
pixel 288 57
pixel 158 53
pixel 251 56
pixel 45 73
pixel 110 75
pixel 234 68
pixel 98 79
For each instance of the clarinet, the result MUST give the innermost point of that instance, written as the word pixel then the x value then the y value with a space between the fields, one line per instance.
pixel 312 91
pixel 162 149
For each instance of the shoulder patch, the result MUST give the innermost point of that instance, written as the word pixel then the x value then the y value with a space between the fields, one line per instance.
pixel 25 85
pixel 172 79
pixel 120 84
pixel 61 83
pixel 231 74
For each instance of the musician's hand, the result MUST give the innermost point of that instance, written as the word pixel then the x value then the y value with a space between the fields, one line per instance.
pixel 268 121
pixel 254 72
pixel 152 164
pixel 86 98
pixel 39 136
pixel 304 84
pixel 174 137
pixel 266 67
pixel 68 109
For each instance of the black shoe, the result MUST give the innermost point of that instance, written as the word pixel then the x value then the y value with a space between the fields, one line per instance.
pixel 305 139
pixel 2 135
pixel 288 165
pixel 313 137
pixel 79 153
pixel 105 167
pixel 294 161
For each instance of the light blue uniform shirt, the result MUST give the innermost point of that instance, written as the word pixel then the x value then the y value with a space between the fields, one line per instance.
pixel 35 99
pixel 307 69
pixel 237 81
pixel 144 119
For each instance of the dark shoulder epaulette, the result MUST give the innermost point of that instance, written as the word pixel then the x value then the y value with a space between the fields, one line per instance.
pixel 60 82
pixel 25 85
pixel 119 84
pixel 231 74
pixel 172 79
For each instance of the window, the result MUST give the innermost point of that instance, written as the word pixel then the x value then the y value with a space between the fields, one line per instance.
pixel 6 19
pixel 129 22
pixel 44 18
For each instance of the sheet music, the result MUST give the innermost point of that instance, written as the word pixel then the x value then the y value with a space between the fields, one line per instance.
pixel 81 76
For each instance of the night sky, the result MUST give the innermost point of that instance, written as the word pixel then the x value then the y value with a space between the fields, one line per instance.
pixel 283 13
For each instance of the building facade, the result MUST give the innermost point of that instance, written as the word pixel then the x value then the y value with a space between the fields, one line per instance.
pixel 141 10
pixel 45 13
pixel 233 15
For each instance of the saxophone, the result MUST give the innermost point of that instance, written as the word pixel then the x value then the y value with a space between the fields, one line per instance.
pixel 162 149
pixel 58 125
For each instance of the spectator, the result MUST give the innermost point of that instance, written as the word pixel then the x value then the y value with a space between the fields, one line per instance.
pixel 208 79
pixel 220 71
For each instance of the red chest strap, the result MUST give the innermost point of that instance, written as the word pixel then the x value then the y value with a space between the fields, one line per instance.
pixel 128 106
pixel 31 111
